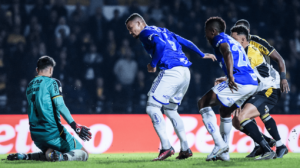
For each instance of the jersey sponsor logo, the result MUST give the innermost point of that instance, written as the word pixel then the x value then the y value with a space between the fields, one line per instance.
pixel 210 127
pixel 35 82
pixel 55 87
pixel 33 90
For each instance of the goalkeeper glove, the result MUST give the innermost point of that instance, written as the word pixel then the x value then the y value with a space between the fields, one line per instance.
pixel 82 131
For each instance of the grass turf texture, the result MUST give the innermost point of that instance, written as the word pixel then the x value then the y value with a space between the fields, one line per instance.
pixel 143 160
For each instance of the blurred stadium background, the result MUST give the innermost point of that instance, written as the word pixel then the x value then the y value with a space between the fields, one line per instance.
pixel 103 69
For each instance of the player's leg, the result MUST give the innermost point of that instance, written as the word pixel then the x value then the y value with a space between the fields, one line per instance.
pixel 39 156
pixel 264 101
pixel 67 148
pixel 225 128
pixel 244 117
pixel 210 121
pixel 183 75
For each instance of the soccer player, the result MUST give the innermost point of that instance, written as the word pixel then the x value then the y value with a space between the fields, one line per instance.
pixel 172 82
pixel 240 84
pixel 269 52
pixel 267 95
pixel 45 105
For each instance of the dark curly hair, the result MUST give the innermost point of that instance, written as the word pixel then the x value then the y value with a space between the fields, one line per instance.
pixel 243 22
pixel 216 22
pixel 240 29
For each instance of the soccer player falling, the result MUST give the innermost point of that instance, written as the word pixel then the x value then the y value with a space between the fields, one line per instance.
pixel 241 83
pixel 45 105
pixel 172 82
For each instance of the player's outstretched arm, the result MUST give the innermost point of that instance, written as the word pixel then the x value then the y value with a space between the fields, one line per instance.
pixel 190 45
pixel 284 86
pixel 58 101
pixel 227 55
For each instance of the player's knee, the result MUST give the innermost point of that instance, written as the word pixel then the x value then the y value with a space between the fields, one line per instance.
pixel 151 107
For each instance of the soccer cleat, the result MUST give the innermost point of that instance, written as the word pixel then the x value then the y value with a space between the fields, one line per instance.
pixel 223 157
pixel 185 154
pixel 17 156
pixel 217 152
pixel 255 152
pixel 56 156
pixel 164 154
pixel 267 156
pixel 258 151
pixel 281 150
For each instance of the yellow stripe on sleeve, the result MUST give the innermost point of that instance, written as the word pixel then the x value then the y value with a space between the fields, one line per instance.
pixel 56 97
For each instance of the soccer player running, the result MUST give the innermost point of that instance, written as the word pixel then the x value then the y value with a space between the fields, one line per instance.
pixel 45 105
pixel 267 95
pixel 171 83
pixel 270 52
pixel 240 84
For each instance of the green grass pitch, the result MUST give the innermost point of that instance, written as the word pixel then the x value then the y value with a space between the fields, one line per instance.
pixel 143 160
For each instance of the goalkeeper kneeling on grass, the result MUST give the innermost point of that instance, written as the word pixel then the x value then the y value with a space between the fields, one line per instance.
pixel 45 105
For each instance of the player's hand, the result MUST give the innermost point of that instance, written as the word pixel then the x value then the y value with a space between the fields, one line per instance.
pixel 83 132
pixel 220 80
pixel 284 86
pixel 151 69
pixel 232 85
pixel 210 56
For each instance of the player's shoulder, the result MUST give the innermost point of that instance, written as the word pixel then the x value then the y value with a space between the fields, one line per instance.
pixel 256 38
pixel 54 80
pixel 219 39
pixel 253 50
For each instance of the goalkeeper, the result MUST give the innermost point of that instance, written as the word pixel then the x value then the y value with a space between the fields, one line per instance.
pixel 45 105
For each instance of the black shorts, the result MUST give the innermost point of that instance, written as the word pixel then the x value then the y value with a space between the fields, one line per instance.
pixel 265 100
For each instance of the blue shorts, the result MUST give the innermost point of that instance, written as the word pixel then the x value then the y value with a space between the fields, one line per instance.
pixel 65 143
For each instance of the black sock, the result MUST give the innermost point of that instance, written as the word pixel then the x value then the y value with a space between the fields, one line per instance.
pixel 251 127
pixel 266 138
pixel 271 127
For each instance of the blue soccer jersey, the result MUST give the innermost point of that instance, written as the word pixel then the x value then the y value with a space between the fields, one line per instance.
pixel 242 71
pixel 166 51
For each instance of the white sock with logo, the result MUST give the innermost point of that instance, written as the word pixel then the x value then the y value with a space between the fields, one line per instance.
pixel 178 127
pixel 210 122
pixel 225 128
pixel 159 125
pixel 76 155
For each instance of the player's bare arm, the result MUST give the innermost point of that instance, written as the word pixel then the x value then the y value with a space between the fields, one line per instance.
pixel 224 49
pixel 284 86
pixel 210 56
pixel 151 69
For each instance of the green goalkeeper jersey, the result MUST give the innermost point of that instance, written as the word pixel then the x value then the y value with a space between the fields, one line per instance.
pixel 45 105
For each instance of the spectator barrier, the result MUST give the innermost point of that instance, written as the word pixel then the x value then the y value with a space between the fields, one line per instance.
pixel 126 133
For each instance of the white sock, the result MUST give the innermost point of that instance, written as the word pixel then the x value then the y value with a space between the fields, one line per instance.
pixel 77 155
pixel 178 127
pixel 225 128
pixel 279 143
pixel 159 125
pixel 210 122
